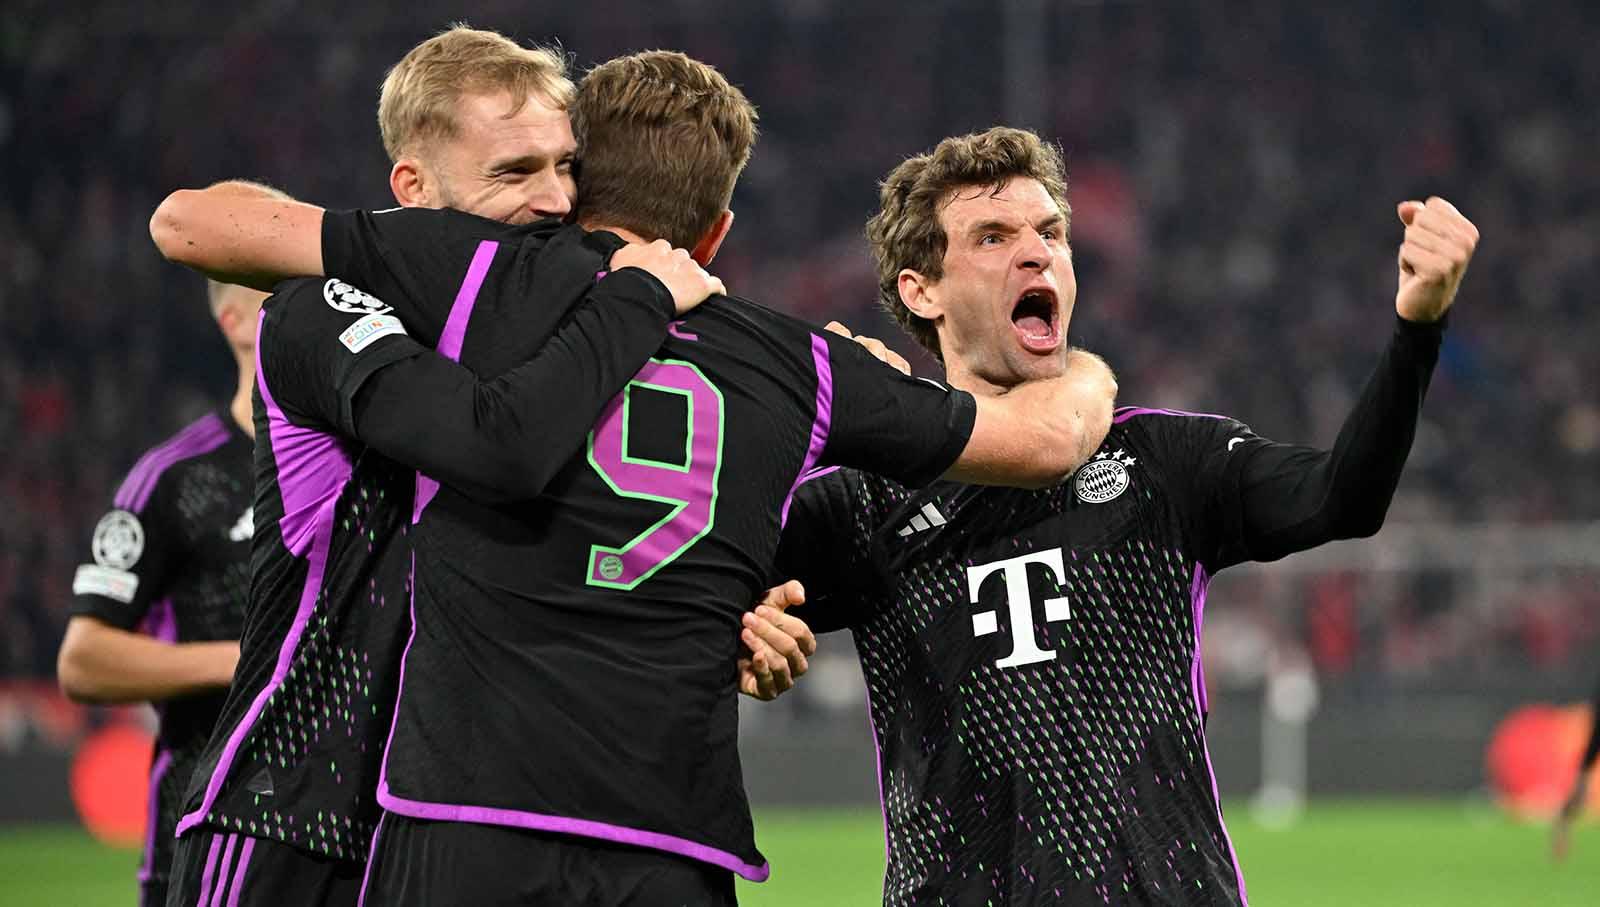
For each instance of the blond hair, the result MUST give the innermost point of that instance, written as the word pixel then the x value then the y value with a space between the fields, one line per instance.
pixel 417 104
pixel 906 232
pixel 662 139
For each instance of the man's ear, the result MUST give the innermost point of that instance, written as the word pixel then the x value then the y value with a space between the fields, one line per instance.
pixel 706 248
pixel 410 183
pixel 920 295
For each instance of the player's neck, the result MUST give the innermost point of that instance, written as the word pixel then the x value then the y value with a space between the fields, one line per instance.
pixel 957 375
pixel 623 232
pixel 242 408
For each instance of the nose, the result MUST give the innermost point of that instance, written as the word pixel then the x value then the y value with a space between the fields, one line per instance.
pixel 1033 253
pixel 549 195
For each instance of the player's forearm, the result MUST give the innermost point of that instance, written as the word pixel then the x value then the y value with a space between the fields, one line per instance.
pixel 504 439
pixel 102 664
pixel 1037 435
pixel 240 232
pixel 1295 498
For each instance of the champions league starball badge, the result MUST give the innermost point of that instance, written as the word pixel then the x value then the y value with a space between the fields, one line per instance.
pixel 345 298
pixel 1103 478
pixel 118 540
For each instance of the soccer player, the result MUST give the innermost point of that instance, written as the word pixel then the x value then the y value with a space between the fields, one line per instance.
pixel 594 620
pixel 1033 657
pixel 1561 838
pixel 283 805
pixel 157 616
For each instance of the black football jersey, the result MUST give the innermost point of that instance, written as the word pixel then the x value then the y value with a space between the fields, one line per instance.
pixel 573 663
pixel 1032 660
pixel 1033 657
pixel 171 558
pixel 294 755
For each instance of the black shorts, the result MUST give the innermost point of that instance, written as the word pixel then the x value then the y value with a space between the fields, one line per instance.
pixel 153 893
pixel 236 870
pixel 416 862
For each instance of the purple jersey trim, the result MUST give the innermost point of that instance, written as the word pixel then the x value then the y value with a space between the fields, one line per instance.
pixel 487 815
pixel 158 771
pixel 199 438
pixel 1128 412
pixel 238 874
pixel 1197 683
pixel 583 828
pixel 819 425
pixel 327 469
pixel 877 766
pixel 450 341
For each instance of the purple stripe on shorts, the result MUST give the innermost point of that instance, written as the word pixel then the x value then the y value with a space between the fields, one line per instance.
pixel 312 541
pixel 211 868
pixel 583 828
pixel 199 438
pixel 820 425
pixel 222 872
pixel 1125 413
pixel 158 771
pixel 238 874
pixel 485 815
pixel 1197 685
pixel 450 341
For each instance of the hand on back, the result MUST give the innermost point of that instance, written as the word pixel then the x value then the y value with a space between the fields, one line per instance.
pixel 689 283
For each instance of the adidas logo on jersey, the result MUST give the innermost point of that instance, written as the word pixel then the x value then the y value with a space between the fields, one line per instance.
pixel 245 528
pixel 929 518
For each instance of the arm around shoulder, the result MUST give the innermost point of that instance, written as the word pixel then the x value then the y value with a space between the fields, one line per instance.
pixel 240 232
pixel 1039 433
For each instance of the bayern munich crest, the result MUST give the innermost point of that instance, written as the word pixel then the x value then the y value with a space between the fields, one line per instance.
pixel 346 298
pixel 1103 478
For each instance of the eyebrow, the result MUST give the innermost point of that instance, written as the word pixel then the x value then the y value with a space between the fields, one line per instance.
pixel 1000 226
pixel 532 161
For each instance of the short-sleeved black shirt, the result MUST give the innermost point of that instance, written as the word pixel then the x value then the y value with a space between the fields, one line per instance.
pixel 172 558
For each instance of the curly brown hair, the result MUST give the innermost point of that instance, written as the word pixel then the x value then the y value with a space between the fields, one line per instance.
pixel 906 232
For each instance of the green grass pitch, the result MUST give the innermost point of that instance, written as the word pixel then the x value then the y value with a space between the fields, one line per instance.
pixel 1368 853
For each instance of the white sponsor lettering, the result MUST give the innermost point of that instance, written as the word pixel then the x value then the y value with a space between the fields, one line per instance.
pixel 367 330
pixel 92 579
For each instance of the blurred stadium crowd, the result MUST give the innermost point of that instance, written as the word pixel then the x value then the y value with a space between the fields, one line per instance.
pixel 1234 173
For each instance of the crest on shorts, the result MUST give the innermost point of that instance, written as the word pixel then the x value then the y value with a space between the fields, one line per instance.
pixel 346 298
pixel 1103 478
pixel 118 540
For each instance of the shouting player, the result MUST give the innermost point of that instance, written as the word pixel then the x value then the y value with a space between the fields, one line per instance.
pixel 1033 658
pixel 593 622
pixel 156 618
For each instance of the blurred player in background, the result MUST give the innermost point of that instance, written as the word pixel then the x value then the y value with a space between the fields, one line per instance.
pixel 157 616
pixel 616 658
pixel 1033 658
pixel 1577 799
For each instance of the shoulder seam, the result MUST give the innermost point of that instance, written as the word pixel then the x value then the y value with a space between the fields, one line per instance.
pixel 197 439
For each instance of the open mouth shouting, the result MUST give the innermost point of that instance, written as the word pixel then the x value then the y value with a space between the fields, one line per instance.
pixel 1036 318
